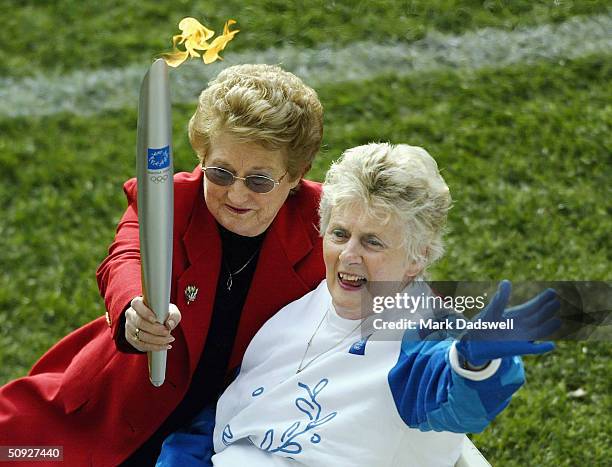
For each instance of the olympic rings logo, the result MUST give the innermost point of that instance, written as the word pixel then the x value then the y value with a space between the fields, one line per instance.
pixel 158 178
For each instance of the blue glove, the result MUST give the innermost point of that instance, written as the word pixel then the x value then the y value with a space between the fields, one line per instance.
pixel 532 321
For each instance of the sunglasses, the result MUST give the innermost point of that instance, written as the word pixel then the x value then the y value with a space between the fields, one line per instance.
pixel 256 183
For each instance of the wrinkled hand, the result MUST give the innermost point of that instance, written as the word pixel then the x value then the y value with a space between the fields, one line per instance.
pixel 143 331
pixel 532 321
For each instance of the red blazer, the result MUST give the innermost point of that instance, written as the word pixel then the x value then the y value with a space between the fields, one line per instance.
pixel 96 401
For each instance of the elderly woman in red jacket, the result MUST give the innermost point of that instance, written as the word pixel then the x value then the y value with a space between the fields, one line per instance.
pixel 245 245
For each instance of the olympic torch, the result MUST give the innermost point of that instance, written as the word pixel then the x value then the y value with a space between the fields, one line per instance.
pixel 155 200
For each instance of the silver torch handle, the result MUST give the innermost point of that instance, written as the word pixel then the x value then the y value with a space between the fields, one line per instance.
pixel 155 200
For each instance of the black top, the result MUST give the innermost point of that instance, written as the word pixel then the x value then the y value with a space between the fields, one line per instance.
pixel 209 379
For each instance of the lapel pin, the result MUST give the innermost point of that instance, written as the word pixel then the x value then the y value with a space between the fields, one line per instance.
pixel 191 293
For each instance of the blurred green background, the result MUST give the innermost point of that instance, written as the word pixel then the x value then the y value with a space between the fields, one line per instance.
pixel 525 148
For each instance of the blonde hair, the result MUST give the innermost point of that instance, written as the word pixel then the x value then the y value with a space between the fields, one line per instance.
pixel 392 181
pixel 262 104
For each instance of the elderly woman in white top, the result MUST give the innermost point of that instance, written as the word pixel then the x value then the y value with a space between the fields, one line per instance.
pixel 322 385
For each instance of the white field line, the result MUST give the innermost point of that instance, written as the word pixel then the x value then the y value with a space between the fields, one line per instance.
pixel 91 92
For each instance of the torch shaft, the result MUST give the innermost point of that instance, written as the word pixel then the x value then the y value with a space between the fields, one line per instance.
pixel 155 200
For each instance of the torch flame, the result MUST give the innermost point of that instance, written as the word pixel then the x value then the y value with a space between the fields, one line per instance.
pixel 194 37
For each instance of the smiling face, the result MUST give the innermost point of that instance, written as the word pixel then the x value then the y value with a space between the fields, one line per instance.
pixel 236 207
pixel 359 249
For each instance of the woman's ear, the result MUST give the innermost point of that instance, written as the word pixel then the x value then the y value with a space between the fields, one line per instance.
pixel 416 267
pixel 412 271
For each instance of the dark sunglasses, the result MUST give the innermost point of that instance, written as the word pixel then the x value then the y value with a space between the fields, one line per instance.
pixel 256 183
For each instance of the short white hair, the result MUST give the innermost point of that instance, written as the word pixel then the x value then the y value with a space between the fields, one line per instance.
pixel 392 181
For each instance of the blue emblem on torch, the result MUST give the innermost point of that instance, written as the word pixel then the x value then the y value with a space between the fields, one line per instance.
pixel 158 159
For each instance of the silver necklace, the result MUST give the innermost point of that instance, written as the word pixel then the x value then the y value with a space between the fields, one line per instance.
pixel 301 366
pixel 230 279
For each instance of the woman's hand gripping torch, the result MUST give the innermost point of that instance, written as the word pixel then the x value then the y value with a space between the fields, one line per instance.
pixel 155 200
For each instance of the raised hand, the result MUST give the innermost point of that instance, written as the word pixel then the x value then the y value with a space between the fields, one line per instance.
pixel 531 321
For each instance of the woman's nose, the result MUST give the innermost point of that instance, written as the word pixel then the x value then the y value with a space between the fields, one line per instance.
pixel 351 253
pixel 237 192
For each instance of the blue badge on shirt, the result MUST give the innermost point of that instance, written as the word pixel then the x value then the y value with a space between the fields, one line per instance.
pixel 358 348
pixel 158 159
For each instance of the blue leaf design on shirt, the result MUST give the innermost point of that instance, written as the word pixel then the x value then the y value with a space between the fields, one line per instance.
pixel 319 387
pixel 291 448
pixel 267 441
pixel 323 420
pixel 313 410
pixel 305 407
pixel 289 431
pixel 227 435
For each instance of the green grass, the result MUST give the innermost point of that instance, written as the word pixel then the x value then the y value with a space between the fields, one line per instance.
pixel 526 151
pixel 545 425
pixel 61 35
